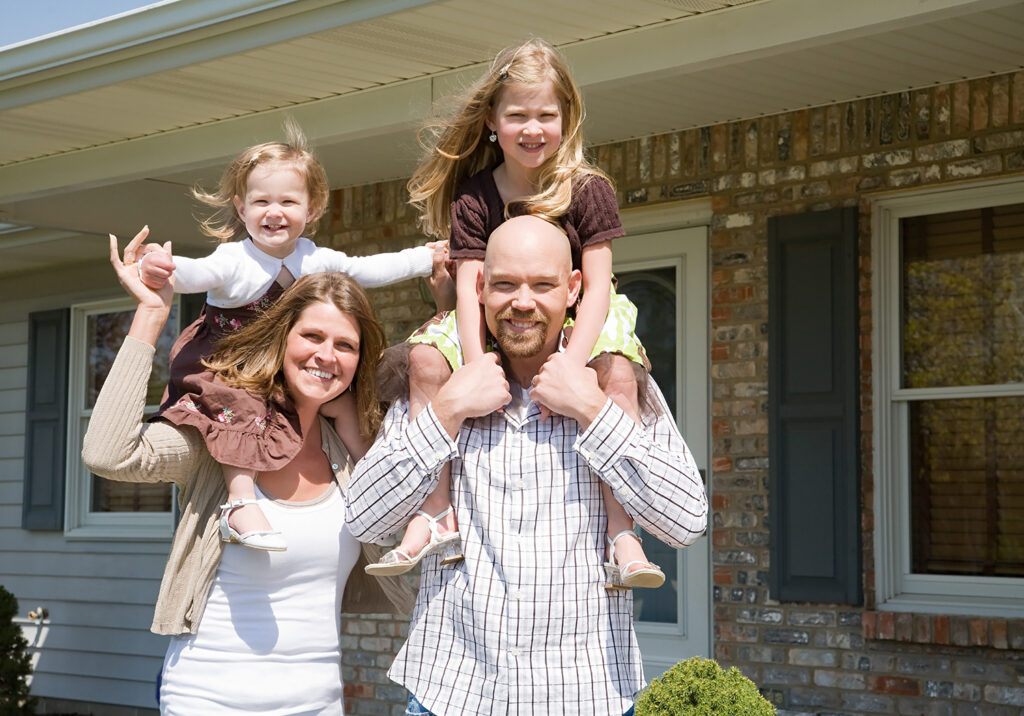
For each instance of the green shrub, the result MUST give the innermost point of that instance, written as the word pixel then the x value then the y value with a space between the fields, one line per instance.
pixel 699 687
pixel 15 663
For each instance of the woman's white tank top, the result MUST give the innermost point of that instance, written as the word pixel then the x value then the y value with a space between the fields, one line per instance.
pixel 269 640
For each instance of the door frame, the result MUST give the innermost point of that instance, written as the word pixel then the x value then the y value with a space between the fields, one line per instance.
pixel 646 221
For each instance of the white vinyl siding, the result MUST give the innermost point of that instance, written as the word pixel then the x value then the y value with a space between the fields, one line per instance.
pixel 95 646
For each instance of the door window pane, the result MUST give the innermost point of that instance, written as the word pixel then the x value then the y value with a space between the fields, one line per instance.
pixel 654 294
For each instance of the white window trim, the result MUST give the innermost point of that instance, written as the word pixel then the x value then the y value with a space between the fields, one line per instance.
pixel 897 588
pixel 79 521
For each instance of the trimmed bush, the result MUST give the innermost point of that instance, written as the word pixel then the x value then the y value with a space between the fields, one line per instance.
pixel 699 687
pixel 15 663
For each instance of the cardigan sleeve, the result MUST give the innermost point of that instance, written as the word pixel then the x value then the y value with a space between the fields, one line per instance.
pixel 118 445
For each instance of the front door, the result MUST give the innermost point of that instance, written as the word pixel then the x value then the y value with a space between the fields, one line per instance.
pixel 665 274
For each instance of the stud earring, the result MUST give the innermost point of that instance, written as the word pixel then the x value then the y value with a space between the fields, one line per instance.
pixel 493 137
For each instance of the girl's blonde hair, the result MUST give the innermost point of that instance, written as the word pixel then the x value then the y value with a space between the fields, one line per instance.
pixel 253 356
pixel 224 223
pixel 458 146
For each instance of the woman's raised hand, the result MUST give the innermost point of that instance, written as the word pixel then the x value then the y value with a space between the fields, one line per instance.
pixel 153 305
pixel 128 272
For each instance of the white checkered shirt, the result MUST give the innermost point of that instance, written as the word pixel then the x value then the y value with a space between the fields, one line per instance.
pixel 524 624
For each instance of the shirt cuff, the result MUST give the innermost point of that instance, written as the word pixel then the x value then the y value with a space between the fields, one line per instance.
pixel 429 443
pixel 607 439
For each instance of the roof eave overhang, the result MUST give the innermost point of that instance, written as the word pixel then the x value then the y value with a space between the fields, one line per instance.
pixel 179 33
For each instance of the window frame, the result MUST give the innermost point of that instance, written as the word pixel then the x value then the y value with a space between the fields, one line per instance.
pixel 897 588
pixel 80 522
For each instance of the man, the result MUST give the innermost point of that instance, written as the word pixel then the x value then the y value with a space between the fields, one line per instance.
pixel 524 624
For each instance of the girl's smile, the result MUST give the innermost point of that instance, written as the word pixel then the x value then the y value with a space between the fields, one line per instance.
pixel 275 208
pixel 528 122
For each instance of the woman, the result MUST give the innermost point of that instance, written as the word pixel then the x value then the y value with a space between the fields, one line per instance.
pixel 253 632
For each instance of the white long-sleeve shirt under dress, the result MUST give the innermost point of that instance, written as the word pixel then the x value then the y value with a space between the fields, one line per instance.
pixel 524 624
pixel 238 272
pixel 240 282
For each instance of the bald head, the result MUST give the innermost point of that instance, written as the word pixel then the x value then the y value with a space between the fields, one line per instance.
pixel 526 286
pixel 527 235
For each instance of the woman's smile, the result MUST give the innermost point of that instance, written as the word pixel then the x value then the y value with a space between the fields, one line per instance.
pixel 321 354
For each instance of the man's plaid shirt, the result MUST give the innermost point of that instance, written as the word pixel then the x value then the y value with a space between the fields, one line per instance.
pixel 524 624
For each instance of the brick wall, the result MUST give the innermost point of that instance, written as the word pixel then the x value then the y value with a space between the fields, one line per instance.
pixel 810 658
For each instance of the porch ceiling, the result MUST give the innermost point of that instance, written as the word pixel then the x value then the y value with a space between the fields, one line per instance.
pixel 105 127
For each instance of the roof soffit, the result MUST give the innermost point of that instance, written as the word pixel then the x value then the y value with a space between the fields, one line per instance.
pixel 637 80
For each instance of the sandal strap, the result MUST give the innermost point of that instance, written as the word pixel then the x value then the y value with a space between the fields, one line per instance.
pixel 259 533
pixel 433 520
pixel 632 533
pixel 613 540
pixel 384 557
pixel 235 504
pixel 649 567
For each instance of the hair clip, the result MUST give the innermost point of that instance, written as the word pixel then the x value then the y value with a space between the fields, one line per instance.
pixel 503 74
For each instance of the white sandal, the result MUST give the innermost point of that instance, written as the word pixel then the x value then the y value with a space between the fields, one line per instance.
pixel 267 540
pixel 649 576
pixel 398 562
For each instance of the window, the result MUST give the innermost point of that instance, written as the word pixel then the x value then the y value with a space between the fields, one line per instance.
pixel 949 497
pixel 98 508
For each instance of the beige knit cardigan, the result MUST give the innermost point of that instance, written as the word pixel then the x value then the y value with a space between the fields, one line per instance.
pixel 120 446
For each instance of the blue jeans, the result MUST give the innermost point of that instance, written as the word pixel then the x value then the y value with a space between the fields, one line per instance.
pixel 415 708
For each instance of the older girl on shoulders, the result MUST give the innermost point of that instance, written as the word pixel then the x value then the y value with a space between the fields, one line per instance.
pixel 514 146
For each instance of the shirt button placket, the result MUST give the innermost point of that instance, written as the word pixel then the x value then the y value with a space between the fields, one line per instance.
pixel 517 498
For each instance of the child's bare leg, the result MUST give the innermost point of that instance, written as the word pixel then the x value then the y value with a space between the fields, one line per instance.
pixel 428 371
pixel 616 378
pixel 627 549
pixel 241 484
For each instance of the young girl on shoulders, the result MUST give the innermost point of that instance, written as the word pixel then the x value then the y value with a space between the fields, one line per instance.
pixel 514 146
pixel 266 200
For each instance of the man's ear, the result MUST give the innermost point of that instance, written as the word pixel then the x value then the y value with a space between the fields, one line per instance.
pixel 575 283
pixel 480 286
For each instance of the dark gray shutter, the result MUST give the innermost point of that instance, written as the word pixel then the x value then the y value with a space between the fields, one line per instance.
pixel 813 407
pixel 46 422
